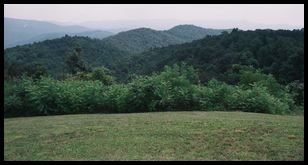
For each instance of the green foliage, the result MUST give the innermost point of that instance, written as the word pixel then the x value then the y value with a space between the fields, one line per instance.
pixel 250 77
pixel 279 52
pixel 191 32
pixel 74 62
pixel 101 74
pixel 51 54
pixel 13 69
pixel 107 51
pixel 172 89
pixel 276 52
pixel 36 70
pixel 79 76
pixel 257 99
pixel 11 101
pixel 297 91
pixel 176 88
pixel 48 96
pixel 214 96
pixel 139 40
pixel 219 96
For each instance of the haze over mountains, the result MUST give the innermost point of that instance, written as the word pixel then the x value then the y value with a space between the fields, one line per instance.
pixel 51 53
pixel 143 49
pixel 164 24
pixel 141 39
pixel 20 32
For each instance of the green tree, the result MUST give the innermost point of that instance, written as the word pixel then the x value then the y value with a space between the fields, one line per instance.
pixel 14 69
pixel 36 70
pixel 75 63
pixel 102 74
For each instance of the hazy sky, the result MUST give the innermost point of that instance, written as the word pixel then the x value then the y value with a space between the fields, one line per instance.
pixel 292 15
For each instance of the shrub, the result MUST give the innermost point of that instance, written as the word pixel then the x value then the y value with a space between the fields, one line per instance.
pixel 176 88
pixel 296 89
pixel 257 99
pixel 114 99
pixel 103 74
pixel 220 96
pixel 12 104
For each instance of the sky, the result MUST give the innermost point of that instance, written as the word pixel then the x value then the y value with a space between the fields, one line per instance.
pixel 267 14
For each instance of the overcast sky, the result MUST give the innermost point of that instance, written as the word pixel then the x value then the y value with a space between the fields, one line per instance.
pixel 292 15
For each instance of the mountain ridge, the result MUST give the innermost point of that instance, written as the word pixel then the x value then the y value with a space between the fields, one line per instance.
pixel 161 38
pixel 21 31
pixel 107 51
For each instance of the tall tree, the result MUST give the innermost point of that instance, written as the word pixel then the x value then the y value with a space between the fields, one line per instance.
pixel 35 70
pixel 74 62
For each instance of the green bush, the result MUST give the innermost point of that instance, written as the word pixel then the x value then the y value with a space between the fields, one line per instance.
pixel 114 99
pixel 257 99
pixel 49 97
pixel 101 74
pixel 296 89
pixel 220 96
pixel 12 105
pixel 172 89
pixel 176 88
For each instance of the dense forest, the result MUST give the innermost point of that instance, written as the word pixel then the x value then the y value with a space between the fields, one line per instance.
pixel 280 53
pixel 52 54
pixel 255 71
pixel 107 52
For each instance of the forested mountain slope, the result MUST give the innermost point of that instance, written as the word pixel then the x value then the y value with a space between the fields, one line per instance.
pixel 95 34
pixel 280 53
pixel 139 40
pixel 52 53
pixel 107 52
pixel 191 32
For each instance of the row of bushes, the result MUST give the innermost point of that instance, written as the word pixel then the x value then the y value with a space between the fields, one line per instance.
pixel 176 88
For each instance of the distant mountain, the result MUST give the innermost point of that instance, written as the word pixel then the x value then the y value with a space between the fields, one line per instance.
pixel 96 34
pixel 192 32
pixel 19 32
pixel 141 39
pixel 164 24
pixel 108 51
pixel 159 24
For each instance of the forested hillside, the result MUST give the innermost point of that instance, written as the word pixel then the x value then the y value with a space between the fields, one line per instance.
pixel 255 71
pixel 138 40
pixel 280 53
pixel 95 34
pixel 107 52
pixel 52 54
pixel 191 32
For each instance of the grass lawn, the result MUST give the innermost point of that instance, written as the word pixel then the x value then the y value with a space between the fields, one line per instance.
pixel 155 136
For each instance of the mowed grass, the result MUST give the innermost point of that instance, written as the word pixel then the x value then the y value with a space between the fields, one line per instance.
pixel 155 136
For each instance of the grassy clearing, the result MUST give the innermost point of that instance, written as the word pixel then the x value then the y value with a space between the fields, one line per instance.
pixel 155 136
